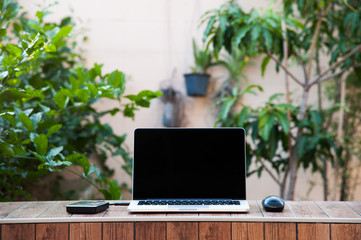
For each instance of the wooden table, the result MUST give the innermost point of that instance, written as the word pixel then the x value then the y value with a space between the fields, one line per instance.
pixel 299 220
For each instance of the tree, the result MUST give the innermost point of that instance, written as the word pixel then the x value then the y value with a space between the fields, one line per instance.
pixel 47 118
pixel 280 37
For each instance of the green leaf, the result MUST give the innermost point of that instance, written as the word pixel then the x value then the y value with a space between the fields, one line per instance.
pixel 264 64
pixel 13 94
pixel 80 159
pixel 282 119
pixel 265 125
pixel 26 121
pixel 242 116
pixel 2 32
pixel 55 151
pixel 15 50
pixel 41 144
pixel 62 32
pixel 114 190
pixel 117 80
pixel 226 108
pixel 61 100
pixel 256 30
pixel 6 150
pixel 240 35
pixel 82 94
pixel 13 82
pixel 208 29
pixel 53 129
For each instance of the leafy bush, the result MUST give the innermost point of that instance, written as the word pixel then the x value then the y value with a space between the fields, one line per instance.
pixel 47 118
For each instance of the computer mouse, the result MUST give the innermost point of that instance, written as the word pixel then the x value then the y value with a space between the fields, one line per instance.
pixel 273 204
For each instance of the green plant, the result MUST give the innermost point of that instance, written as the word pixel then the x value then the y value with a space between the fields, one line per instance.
pixel 202 59
pixel 282 36
pixel 47 118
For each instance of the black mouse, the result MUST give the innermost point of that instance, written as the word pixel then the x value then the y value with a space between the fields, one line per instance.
pixel 273 204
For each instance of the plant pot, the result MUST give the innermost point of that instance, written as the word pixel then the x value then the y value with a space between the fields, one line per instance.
pixel 196 84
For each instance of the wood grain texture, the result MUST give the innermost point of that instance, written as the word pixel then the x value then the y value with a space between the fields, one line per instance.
pixel 249 231
pixel 30 210
pixel 306 209
pixel 116 230
pixel 182 230
pixel 56 210
pixel 215 230
pixel 85 231
pixel 338 210
pixel 280 231
pixel 284 214
pixel 346 231
pixel 118 211
pixel 310 231
pixel 150 230
pixel 7 207
pixel 356 206
pixel 17 231
pixel 254 212
pixel 52 231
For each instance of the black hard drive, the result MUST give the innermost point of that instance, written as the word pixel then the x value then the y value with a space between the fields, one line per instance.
pixel 87 207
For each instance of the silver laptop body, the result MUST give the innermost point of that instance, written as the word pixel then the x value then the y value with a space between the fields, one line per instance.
pixel 189 170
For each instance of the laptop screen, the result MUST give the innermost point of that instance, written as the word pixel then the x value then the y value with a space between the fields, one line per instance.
pixel 189 163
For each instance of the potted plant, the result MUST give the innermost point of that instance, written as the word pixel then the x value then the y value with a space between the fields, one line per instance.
pixel 197 81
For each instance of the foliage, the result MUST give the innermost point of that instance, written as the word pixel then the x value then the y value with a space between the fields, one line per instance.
pixel 202 59
pixel 268 128
pixel 47 118
pixel 279 37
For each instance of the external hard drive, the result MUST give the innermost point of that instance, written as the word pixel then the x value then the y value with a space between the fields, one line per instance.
pixel 87 207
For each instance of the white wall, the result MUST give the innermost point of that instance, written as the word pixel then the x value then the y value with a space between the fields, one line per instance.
pixel 148 40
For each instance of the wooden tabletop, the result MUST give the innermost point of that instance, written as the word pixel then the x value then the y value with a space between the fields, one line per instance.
pixel 305 211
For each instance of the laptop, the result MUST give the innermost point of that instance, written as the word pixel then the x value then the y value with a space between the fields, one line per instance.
pixel 189 170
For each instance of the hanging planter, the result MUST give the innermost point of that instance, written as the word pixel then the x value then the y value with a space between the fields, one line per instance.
pixel 196 84
pixel 197 81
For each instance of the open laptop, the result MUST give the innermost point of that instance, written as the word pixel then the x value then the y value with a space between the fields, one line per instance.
pixel 189 170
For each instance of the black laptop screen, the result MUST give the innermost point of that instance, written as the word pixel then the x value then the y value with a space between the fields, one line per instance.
pixel 189 163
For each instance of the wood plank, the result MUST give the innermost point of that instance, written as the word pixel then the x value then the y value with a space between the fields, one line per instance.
pixel 95 215
pixel 182 230
pixel 307 209
pixel 8 207
pixel 52 231
pixel 338 210
pixel 356 206
pixel 215 230
pixel 346 231
pixel 254 212
pixel 85 231
pixel 280 231
pixel 150 215
pixel 150 230
pixel 245 230
pixel 117 230
pixel 30 210
pixel 17 231
pixel 118 211
pixel 287 213
pixel 56 211
pixel 310 231
pixel 192 215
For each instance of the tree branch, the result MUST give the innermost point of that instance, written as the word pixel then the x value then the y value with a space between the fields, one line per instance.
pixel 344 58
pixel 284 68
pixel 269 172
pixel 314 41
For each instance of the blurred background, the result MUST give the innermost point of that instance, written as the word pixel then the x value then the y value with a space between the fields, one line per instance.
pixel 151 43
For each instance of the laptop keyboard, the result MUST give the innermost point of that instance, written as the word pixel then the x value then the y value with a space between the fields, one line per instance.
pixel 188 202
